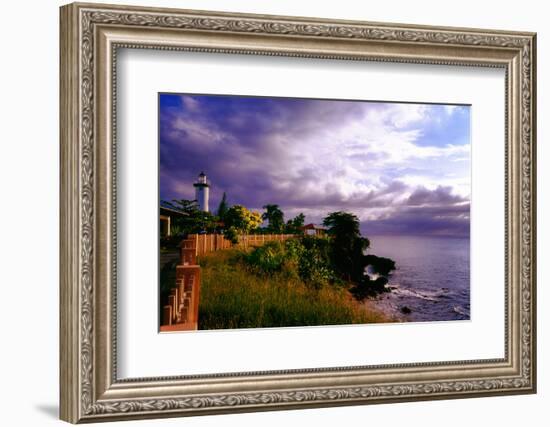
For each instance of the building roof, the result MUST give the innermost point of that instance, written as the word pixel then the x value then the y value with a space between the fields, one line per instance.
pixel 313 227
pixel 168 209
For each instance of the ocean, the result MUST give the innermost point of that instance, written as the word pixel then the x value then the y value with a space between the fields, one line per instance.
pixel 432 277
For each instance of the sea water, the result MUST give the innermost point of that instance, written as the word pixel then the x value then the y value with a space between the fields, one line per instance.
pixel 432 277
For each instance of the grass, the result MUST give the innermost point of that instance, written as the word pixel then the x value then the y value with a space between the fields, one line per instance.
pixel 233 296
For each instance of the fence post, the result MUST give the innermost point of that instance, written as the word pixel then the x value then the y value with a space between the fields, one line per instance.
pixel 167 315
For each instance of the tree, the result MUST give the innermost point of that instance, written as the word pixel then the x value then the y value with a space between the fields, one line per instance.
pixel 293 226
pixel 342 224
pixel 183 205
pixel 232 235
pixel 348 255
pixel 348 246
pixel 242 219
pixel 193 219
pixel 275 217
pixel 223 207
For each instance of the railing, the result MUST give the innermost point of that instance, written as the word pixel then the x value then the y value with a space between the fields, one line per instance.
pixel 182 311
pixel 206 243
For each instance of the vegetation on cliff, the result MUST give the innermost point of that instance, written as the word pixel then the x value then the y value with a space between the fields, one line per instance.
pixel 238 292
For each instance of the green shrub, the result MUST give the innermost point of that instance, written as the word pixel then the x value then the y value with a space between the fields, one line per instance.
pixel 232 235
pixel 307 258
pixel 267 259
pixel 315 265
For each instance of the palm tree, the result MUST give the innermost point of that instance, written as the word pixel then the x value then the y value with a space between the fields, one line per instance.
pixel 275 217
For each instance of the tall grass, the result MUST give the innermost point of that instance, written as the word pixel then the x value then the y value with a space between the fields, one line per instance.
pixel 233 296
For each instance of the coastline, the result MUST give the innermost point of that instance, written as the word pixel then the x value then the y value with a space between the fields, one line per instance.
pixel 382 305
pixel 405 305
pixel 431 281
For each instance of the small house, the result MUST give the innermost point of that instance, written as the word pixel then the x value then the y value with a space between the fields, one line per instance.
pixel 314 230
pixel 167 214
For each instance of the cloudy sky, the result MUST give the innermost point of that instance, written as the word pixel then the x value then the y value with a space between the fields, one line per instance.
pixel 401 168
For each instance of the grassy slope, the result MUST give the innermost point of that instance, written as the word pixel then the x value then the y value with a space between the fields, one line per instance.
pixel 233 297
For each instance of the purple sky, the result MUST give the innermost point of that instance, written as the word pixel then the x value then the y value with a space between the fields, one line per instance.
pixel 401 168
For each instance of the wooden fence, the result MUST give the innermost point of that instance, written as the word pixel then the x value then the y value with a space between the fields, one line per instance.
pixel 205 243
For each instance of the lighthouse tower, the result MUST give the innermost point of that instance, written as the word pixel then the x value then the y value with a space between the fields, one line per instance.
pixel 202 190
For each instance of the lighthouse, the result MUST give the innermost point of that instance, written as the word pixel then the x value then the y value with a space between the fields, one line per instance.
pixel 202 190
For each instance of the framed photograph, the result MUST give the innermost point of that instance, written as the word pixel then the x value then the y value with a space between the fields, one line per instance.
pixel 266 212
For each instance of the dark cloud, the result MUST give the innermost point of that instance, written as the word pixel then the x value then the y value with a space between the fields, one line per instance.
pixel 245 145
pixel 451 221
pixel 441 195
pixel 241 137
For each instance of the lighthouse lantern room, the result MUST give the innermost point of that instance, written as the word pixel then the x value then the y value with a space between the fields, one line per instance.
pixel 202 189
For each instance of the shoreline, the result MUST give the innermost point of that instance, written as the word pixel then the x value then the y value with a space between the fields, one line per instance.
pixel 378 304
pixel 409 305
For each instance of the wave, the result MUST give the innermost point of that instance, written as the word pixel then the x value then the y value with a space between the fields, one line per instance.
pixel 425 295
pixel 461 310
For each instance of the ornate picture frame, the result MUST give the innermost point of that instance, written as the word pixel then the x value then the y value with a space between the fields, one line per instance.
pixel 90 388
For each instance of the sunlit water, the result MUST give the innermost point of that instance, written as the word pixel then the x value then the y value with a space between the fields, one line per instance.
pixel 432 278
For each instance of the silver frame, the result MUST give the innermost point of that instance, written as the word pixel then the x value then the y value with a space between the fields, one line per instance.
pixel 90 37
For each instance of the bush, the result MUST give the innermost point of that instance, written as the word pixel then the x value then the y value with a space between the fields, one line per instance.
pixel 314 263
pixel 232 235
pixel 267 259
pixel 312 259
pixel 307 258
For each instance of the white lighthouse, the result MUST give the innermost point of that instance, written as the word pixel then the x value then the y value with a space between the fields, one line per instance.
pixel 202 192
